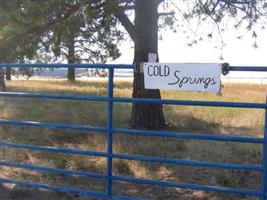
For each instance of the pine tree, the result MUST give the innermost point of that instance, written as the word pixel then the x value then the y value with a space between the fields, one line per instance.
pixel 61 29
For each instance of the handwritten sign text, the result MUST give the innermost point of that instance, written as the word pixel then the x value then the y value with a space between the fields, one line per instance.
pixel 183 76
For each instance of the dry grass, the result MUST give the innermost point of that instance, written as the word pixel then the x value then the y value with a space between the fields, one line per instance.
pixel 180 118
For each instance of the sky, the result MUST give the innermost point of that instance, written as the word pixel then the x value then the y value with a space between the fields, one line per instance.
pixel 173 48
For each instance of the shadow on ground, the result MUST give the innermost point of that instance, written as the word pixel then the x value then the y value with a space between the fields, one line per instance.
pixel 20 193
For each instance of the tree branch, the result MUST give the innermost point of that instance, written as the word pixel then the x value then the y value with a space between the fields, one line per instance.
pixel 166 14
pixel 124 20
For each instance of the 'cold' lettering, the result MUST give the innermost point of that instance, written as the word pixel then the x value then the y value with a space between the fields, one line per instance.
pixel 158 70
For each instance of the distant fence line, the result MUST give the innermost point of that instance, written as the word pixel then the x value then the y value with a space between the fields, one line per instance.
pixel 60 73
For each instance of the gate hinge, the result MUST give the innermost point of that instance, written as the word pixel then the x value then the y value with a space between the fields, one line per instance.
pixel 225 68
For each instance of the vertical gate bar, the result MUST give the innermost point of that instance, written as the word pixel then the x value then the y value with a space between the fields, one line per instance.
pixel 264 175
pixel 109 133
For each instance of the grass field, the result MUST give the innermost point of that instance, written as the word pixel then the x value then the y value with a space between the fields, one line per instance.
pixel 226 121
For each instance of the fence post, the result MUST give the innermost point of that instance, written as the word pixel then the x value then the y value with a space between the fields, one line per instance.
pixel 264 175
pixel 109 133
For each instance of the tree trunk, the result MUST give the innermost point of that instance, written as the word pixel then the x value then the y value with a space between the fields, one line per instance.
pixel 145 115
pixel 71 57
pixel 71 74
pixel 2 80
pixel 8 74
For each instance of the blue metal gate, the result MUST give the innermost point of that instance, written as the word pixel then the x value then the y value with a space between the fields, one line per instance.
pixel 109 155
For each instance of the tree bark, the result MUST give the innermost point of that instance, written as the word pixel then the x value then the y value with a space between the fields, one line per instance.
pixel 71 74
pixel 71 57
pixel 8 74
pixel 2 80
pixel 149 116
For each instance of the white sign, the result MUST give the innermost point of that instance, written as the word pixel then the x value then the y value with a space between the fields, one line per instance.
pixel 183 76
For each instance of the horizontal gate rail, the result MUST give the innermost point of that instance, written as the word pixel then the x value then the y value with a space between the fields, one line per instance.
pixel 135 157
pixel 54 149
pixel 65 189
pixel 188 186
pixel 54 188
pixel 117 66
pixel 135 180
pixel 192 163
pixel 53 170
pixel 60 65
pixel 194 136
pixel 110 130
pixel 52 125
pixel 170 134
pixel 53 96
pixel 192 103
pixel 248 68
pixel 138 100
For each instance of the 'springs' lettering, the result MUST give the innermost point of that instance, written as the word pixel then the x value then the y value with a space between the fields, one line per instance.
pixel 183 80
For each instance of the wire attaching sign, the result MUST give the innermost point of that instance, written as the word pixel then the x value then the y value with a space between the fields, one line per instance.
pixel 183 76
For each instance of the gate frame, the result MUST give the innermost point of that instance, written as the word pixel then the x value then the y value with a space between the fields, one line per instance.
pixel 109 177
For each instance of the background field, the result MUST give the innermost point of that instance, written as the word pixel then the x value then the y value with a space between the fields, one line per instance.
pixel 226 121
